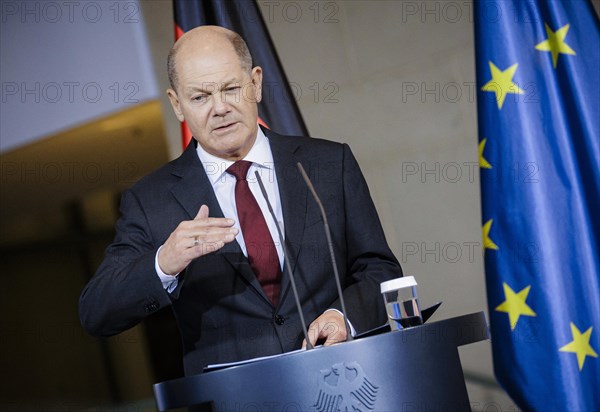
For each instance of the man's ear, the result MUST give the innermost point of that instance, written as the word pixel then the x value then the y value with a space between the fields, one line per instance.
pixel 175 104
pixel 257 82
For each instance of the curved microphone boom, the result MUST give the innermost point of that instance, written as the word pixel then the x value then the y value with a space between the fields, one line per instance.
pixel 330 245
pixel 285 258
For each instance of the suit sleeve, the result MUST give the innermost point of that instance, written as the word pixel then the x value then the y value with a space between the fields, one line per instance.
pixel 125 288
pixel 369 260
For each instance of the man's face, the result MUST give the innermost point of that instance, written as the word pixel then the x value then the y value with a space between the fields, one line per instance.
pixel 217 99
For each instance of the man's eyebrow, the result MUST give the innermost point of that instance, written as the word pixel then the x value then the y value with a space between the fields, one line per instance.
pixel 210 87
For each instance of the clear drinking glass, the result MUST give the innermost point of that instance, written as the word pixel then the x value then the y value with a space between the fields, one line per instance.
pixel 401 302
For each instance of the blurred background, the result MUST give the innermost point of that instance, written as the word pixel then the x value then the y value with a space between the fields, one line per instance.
pixel 84 115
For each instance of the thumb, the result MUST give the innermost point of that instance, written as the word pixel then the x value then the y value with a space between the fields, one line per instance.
pixel 202 213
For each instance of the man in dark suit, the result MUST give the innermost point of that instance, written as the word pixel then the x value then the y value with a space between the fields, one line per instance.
pixel 181 239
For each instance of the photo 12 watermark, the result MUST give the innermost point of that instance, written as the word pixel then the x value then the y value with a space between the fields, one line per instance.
pixel 439 172
pixel 316 92
pixel 61 173
pixel 326 12
pixel 438 92
pixel 72 12
pixel 70 92
pixel 436 11
pixel 441 252
pixel 527 172
pixel 453 12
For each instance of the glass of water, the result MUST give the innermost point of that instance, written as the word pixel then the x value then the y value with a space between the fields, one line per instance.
pixel 401 302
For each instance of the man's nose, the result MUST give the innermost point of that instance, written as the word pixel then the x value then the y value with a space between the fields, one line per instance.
pixel 220 104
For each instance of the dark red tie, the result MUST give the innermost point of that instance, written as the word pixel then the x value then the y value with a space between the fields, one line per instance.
pixel 262 254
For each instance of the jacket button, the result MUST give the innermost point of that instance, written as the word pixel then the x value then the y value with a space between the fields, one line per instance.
pixel 280 320
pixel 152 307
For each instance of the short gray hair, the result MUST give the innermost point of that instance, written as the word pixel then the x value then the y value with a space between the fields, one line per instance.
pixel 239 46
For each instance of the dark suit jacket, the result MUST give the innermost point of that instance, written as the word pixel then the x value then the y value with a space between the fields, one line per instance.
pixel 222 311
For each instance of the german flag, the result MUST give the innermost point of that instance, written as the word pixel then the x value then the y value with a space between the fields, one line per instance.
pixel 278 109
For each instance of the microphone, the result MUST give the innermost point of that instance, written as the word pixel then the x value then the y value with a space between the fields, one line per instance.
pixel 286 261
pixel 330 245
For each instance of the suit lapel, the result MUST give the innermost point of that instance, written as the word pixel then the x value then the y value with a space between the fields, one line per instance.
pixel 293 195
pixel 193 190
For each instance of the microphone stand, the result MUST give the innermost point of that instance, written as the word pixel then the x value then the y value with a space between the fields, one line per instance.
pixel 286 260
pixel 330 245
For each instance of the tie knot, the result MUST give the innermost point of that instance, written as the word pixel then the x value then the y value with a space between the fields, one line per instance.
pixel 239 169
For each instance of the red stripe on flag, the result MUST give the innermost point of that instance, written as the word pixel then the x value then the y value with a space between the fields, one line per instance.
pixel 178 31
pixel 262 123
pixel 186 135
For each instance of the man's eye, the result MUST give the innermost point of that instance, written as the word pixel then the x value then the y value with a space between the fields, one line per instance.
pixel 232 89
pixel 201 98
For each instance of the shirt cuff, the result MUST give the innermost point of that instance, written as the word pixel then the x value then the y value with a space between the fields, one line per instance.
pixel 169 282
pixel 352 330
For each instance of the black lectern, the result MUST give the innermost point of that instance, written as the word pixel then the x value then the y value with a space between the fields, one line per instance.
pixel 416 369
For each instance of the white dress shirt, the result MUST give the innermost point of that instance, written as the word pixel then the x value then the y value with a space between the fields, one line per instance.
pixel 224 186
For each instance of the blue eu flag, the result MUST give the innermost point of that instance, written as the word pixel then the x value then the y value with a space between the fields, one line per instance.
pixel 538 77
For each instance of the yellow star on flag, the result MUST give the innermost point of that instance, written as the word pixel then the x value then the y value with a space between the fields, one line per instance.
pixel 482 162
pixel 515 304
pixel 502 83
pixel 555 43
pixel 487 242
pixel 580 345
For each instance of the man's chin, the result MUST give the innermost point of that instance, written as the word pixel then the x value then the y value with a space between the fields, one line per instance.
pixel 231 147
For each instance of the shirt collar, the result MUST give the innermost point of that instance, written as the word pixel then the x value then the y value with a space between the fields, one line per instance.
pixel 260 154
